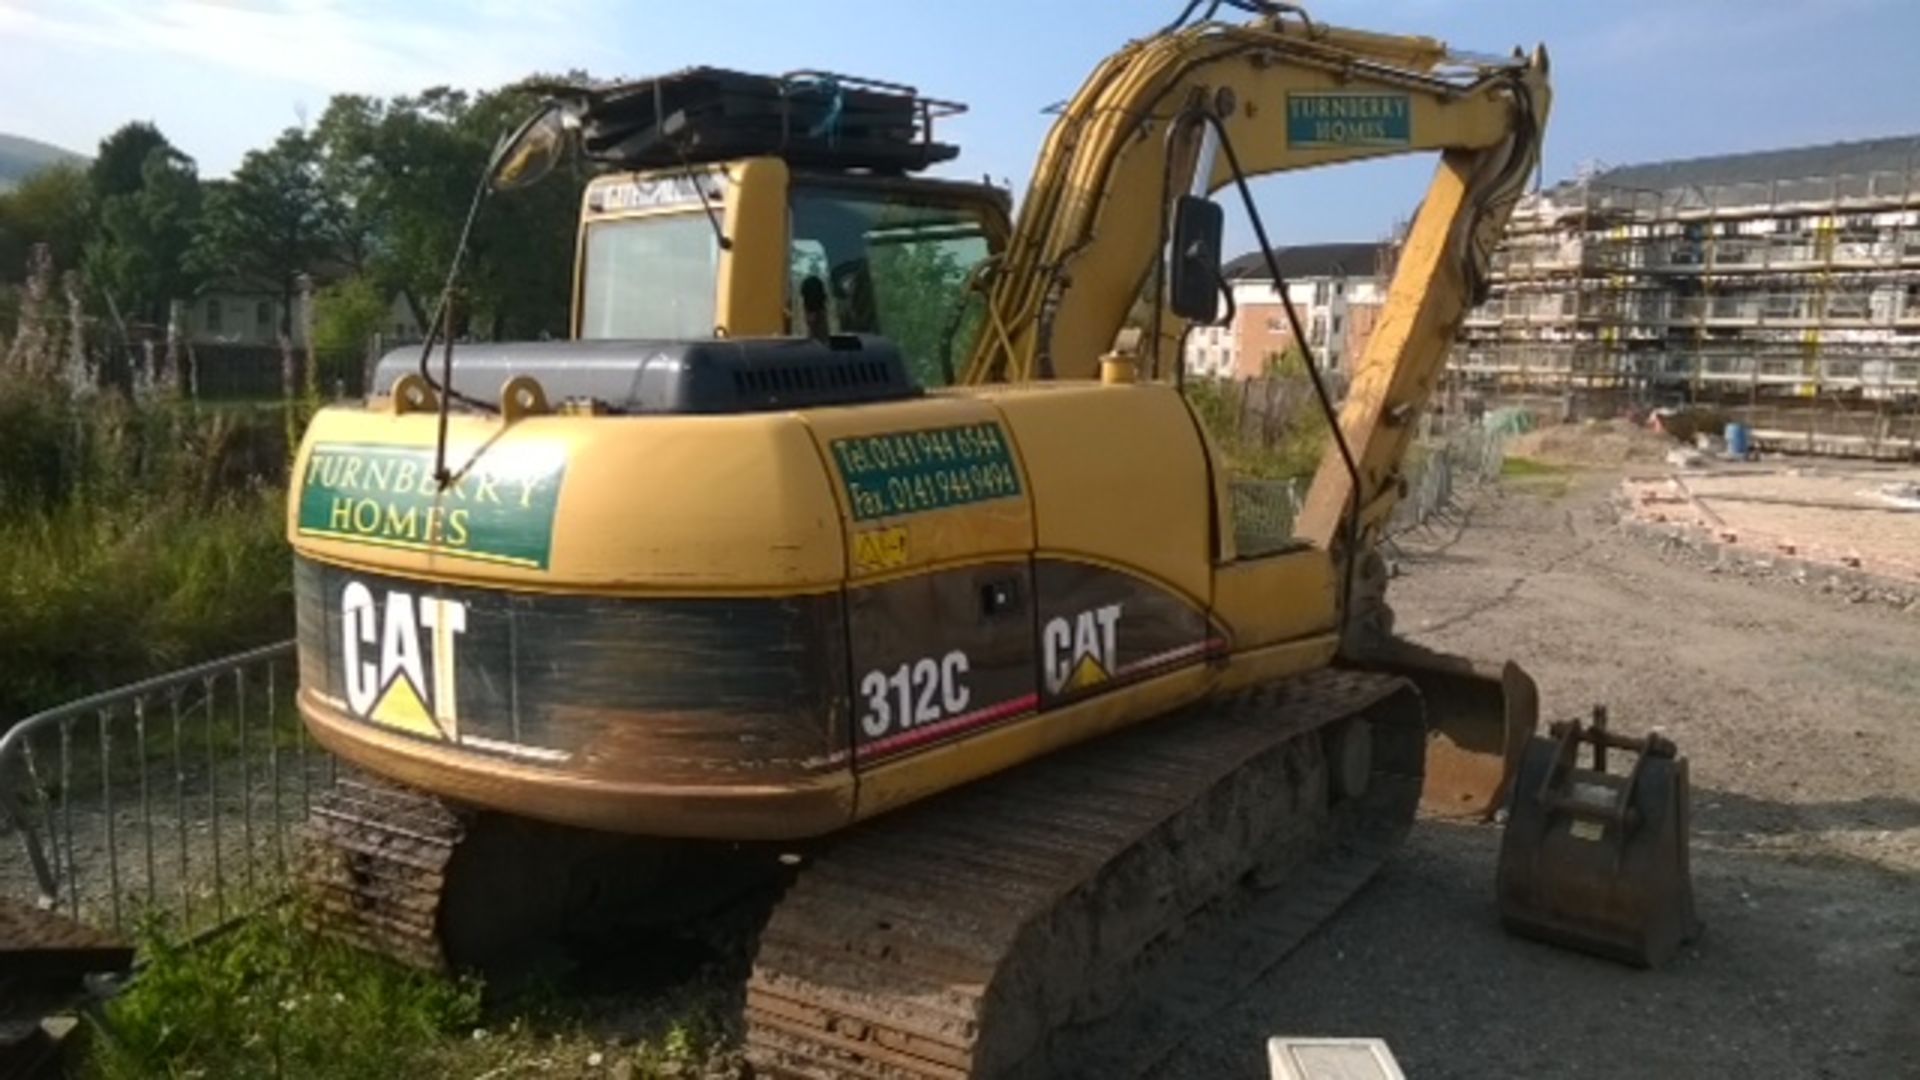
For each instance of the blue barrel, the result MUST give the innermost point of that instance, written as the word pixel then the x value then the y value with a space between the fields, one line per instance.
pixel 1739 440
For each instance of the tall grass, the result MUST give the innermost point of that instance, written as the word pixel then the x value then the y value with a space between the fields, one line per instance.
pixel 273 998
pixel 1267 429
pixel 137 532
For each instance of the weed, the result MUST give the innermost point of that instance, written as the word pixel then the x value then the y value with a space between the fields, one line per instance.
pixel 1270 429
pixel 93 594
pixel 140 531
pixel 272 998
pixel 1512 467
pixel 1544 479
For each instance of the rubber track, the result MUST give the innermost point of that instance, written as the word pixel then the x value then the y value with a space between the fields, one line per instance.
pixel 1078 915
pixel 376 861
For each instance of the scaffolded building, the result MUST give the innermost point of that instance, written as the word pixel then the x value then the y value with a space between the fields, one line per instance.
pixel 1782 287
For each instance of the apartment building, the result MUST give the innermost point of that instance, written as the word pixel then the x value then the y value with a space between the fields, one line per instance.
pixel 1336 290
pixel 1784 282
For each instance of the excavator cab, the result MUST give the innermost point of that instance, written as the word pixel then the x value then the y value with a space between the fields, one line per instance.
pixel 756 248
pixel 749 206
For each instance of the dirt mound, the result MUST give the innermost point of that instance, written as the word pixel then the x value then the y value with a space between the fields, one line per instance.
pixel 1592 442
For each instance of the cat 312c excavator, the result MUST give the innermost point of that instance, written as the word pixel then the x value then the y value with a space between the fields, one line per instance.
pixel 862 536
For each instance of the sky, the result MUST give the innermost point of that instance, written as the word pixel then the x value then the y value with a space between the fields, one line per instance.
pixel 1634 80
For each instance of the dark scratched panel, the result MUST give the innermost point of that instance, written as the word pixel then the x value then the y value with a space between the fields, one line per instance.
pixel 1099 628
pixel 690 685
pixel 937 655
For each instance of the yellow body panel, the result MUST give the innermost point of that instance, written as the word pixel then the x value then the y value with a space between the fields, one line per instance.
pixel 1118 475
pixel 1282 597
pixel 660 505
pixel 890 786
pixel 900 544
pixel 755 225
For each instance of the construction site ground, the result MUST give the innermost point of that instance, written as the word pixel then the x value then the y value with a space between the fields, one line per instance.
pixel 1813 519
pixel 1800 713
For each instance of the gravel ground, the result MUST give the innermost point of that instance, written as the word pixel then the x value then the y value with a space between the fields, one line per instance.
pixel 1798 713
pixel 1821 513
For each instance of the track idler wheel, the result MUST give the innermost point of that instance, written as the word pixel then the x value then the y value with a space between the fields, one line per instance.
pixel 1598 861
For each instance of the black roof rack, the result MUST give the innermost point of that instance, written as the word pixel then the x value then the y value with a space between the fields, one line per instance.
pixel 813 119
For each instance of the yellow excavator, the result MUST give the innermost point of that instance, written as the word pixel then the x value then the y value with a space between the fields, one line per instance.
pixel 862 536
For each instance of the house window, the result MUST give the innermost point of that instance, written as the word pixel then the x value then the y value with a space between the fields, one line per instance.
pixel 213 316
pixel 263 316
pixel 1336 324
pixel 1276 325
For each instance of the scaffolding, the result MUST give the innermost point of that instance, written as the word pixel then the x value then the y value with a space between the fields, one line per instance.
pixel 1793 303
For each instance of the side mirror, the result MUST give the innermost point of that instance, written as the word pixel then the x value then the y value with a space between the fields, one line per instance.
pixel 525 157
pixel 1193 286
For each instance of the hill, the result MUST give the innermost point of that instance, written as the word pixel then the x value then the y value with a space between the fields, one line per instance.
pixel 20 156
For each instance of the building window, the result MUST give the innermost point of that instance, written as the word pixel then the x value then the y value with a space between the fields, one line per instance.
pixel 1319 293
pixel 1276 325
pixel 263 316
pixel 1336 324
pixel 213 316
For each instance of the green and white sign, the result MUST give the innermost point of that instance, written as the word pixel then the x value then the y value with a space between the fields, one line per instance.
pixel 911 472
pixel 1321 120
pixel 500 509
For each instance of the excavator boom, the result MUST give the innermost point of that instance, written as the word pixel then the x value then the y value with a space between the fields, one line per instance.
pixel 1289 93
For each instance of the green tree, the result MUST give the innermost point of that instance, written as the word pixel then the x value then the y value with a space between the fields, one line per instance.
pixel 920 287
pixel 347 314
pixel 52 206
pixel 138 255
pixel 120 166
pixel 522 280
pixel 273 221
pixel 402 172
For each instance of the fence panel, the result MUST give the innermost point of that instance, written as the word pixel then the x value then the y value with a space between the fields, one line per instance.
pixel 1436 468
pixel 179 795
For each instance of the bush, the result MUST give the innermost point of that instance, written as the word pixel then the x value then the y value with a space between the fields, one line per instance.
pixel 1266 429
pixel 139 533
pixel 346 315
pixel 92 594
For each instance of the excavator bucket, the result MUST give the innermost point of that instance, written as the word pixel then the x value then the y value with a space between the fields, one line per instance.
pixel 1597 861
pixel 1479 719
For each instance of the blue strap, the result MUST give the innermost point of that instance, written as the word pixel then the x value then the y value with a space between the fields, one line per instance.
pixel 829 125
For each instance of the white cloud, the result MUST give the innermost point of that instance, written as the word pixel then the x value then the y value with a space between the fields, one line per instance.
pixel 331 45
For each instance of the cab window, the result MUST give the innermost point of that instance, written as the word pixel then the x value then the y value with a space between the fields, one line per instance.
pixel 884 263
pixel 650 277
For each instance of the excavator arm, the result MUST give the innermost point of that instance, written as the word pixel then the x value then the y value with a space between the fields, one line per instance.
pixel 1198 106
pixel 1287 93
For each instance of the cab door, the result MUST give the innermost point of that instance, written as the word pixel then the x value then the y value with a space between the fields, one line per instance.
pixel 1122 557
pixel 939 594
